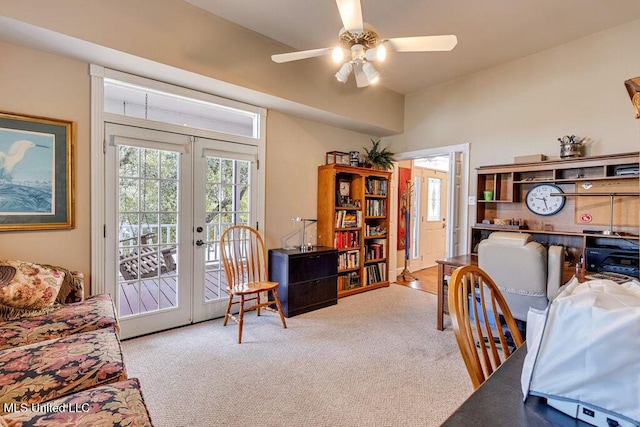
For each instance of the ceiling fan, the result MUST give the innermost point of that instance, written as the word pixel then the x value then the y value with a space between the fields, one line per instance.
pixel 362 42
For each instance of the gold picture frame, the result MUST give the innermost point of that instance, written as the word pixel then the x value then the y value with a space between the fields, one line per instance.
pixel 633 88
pixel 36 173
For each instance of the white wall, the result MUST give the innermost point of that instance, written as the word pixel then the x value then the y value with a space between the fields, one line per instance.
pixel 522 107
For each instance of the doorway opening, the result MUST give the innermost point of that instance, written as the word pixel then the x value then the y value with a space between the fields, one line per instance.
pixel 432 185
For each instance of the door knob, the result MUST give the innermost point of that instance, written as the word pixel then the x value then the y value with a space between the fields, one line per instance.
pixel 199 242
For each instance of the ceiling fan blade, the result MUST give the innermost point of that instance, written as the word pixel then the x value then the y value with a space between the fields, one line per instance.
pixel 361 77
pixel 423 43
pixel 304 54
pixel 351 15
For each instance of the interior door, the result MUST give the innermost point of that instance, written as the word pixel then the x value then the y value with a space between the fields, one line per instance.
pixel 433 208
pixel 225 183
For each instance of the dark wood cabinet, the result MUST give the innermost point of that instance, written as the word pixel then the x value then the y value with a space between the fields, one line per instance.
pixel 307 279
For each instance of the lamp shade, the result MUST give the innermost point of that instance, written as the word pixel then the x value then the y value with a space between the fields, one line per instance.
pixel 378 53
pixel 343 73
pixel 372 74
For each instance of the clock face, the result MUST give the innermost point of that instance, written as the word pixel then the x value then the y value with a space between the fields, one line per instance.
pixel 344 188
pixel 541 202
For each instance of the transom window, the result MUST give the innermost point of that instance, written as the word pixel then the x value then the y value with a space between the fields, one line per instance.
pixel 130 100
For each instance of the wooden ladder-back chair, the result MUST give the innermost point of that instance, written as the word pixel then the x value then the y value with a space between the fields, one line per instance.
pixel 245 264
pixel 484 345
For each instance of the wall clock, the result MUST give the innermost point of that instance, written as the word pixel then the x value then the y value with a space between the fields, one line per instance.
pixel 540 202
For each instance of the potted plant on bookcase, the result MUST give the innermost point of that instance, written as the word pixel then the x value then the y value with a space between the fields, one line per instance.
pixel 379 159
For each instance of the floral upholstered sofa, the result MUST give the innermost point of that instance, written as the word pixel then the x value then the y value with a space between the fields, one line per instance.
pixel 61 361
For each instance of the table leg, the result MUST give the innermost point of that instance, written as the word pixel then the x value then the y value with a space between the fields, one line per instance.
pixel 440 297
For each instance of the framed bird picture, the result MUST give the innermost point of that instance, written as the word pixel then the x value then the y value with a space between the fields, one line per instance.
pixel 36 173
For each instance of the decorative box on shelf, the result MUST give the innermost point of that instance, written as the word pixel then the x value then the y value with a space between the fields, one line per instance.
pixel 337 157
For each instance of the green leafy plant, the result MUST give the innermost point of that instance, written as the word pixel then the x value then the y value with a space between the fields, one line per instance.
pixel 382 159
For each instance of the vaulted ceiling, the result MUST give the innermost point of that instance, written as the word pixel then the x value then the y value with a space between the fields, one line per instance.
pixel 489 32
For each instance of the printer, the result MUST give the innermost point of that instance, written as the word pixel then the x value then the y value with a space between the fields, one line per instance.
pixel 605 254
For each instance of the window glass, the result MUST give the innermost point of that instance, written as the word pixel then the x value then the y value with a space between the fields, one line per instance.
pixel 144 103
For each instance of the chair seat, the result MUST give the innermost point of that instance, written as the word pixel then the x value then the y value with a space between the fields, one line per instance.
pixel 245 264
pixel 252 287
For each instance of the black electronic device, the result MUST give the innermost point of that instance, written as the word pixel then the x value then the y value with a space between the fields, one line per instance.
pixel 613 259
pixel 626 170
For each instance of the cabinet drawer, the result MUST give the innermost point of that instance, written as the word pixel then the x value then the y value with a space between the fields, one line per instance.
pixel 312 266
pixel 305 296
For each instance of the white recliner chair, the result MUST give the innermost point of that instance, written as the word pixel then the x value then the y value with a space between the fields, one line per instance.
pixel 527 274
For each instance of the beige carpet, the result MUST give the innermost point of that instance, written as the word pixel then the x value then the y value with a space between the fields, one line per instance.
pixel 374 359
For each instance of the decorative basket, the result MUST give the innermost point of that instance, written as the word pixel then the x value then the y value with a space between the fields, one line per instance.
pixel 499 221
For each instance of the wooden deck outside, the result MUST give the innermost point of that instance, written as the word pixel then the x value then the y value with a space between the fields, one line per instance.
pixel 159 293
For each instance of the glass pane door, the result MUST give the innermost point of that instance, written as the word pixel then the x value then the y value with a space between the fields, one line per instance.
pixel 224 196
pixel 150 180
pixel 147 230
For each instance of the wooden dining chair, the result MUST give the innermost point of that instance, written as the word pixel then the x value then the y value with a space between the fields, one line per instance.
pixel 481 322
pixel 245 264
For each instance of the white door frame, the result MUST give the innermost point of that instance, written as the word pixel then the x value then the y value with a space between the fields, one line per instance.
pixel 99 229
pixel 456 205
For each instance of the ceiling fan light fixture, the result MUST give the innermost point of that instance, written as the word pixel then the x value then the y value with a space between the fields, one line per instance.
pixel 337 55
pixel 343 73
pixel 360 45
pixel 379 53
pixel 372 74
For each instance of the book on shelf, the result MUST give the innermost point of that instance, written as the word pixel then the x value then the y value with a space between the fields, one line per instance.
pixel 375 273
pixel 346 239
pixel 376 186
pixel 348 260
pixel 376 207
pixel 375 250
pixel 349 281
pixel 348 219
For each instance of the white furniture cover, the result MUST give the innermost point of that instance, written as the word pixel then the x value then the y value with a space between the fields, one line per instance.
pixel 527 274
pixel 583 352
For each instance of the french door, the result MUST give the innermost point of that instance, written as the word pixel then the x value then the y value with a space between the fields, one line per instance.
pixel 173 196
pixel 224 195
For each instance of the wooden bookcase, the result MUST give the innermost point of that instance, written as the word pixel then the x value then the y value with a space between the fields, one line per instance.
pixel 587 184
pixel 353 217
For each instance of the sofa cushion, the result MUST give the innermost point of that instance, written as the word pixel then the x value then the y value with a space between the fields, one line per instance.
pixel 33 286
pixel 119 403
pixel 96 312
pixel 43 371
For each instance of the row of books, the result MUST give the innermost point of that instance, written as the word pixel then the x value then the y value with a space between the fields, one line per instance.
pixel 376 207
pixel 349 281
pixel 349 259
pixel 375 250
pixel 346 239
pixel 375 273
pixel 376 187
pixel 346 219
